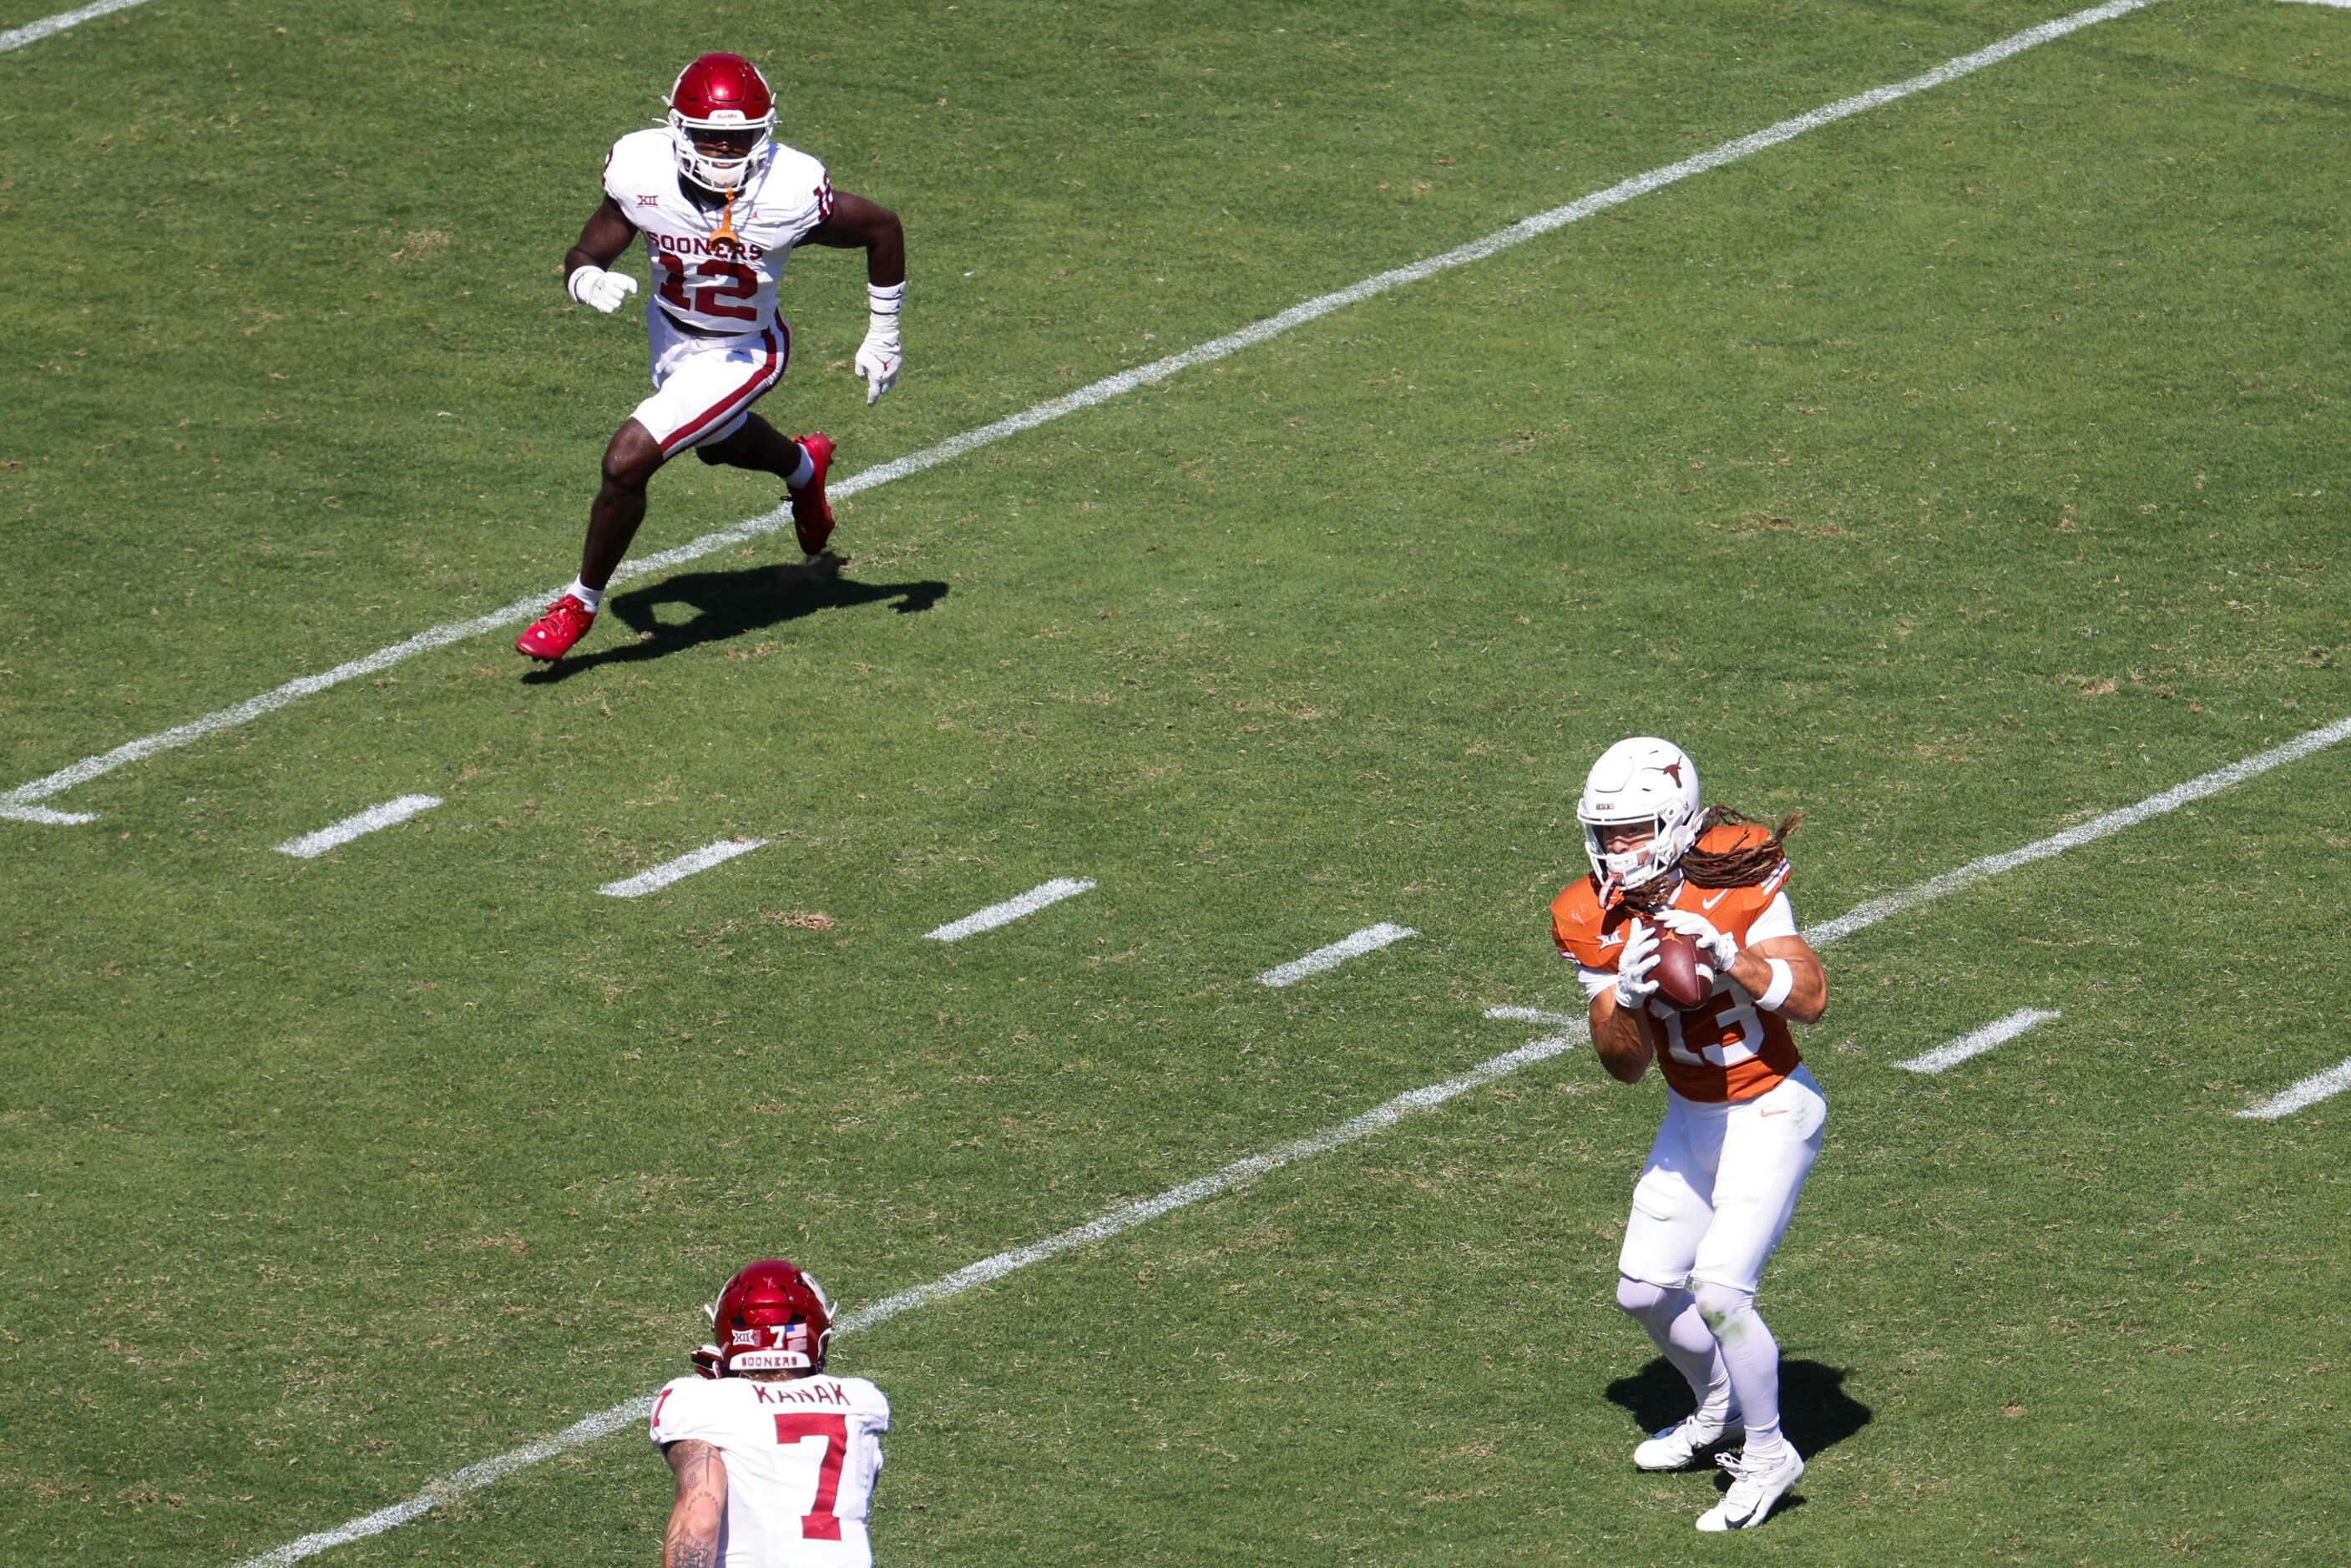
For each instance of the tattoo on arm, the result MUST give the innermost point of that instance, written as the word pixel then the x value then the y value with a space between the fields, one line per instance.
pixel 691 1540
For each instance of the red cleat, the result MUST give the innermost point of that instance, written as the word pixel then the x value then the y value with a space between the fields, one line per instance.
pixel 811 513
pixel 551 635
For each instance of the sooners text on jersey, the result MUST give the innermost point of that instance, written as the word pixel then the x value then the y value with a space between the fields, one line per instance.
pixel 715 270
pixel 1727 1047
pixel 801 1457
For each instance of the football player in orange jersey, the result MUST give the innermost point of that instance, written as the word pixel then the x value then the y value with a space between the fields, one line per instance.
pixel 1744 1116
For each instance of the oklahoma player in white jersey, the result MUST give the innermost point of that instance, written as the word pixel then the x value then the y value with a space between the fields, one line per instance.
pixel 1743 1117
pixel 775 1460
pixel 721 204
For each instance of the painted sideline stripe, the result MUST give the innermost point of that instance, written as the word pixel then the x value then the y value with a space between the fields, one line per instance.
pixel 1086 397
pixel 1370 939
pixel 310 846
pixel 33 32
pixel 2309 1092
pixel 1976 1044
pixel 477 1475
pixel 2339 4
pixel 1011 909
pixel 678 869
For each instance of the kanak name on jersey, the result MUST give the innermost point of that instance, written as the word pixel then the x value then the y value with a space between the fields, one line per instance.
pixel 792 1393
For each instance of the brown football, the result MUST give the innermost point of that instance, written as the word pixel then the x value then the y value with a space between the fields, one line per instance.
pixel 1683 979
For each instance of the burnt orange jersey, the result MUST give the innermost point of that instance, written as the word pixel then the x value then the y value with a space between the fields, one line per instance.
pixel 1725 1048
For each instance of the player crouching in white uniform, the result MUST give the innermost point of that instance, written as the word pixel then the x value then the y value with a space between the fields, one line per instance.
pixel 775 1458
pixel 722 204
pixel 1743 1117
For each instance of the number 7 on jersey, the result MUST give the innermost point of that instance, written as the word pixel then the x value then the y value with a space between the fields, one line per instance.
pixel 803 1427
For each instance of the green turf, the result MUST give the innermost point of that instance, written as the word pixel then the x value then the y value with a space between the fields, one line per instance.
pixel 1952 474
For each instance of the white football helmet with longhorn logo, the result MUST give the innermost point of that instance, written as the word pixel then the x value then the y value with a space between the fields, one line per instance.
pixel 1640 782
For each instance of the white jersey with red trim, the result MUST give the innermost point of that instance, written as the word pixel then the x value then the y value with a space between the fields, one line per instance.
pixel 801 1458
pixel 716 268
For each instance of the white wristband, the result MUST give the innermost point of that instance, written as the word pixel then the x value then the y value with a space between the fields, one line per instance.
pixel 884 299
pixel 571 284
pixel 1783 980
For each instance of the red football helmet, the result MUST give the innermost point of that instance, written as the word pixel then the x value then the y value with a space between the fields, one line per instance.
pixel 772 1317
pixel 722 95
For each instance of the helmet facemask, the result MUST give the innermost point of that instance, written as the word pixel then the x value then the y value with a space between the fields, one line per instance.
pixel 728 171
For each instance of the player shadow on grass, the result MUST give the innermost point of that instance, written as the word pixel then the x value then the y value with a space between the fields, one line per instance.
pixel 725 604
pixel 1815 1411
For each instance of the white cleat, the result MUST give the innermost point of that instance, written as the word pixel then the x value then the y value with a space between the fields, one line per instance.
pixel 1678 1446
pixel 1755 1486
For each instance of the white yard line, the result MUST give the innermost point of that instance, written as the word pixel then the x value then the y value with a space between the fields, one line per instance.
pixel 2340 6
pixel 2309 1092
pixel 1011 909
pixel 1101 1228
pixel 310 846
pixel 480 1475
pixel 42 814
pixel 2099 827
pixel 1086 397
pixel 1534 1015
pixel 1370 939
pixel 678 869
pixel 1976 1044
pixel 33 32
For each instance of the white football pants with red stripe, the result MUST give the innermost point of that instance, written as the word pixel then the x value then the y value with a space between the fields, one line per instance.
pixel 704 387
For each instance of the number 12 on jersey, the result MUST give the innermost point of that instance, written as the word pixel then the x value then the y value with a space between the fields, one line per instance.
pixel 799 1428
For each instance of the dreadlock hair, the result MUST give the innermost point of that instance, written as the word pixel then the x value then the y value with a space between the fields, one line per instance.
pixel 1740 867
pixel 1743 867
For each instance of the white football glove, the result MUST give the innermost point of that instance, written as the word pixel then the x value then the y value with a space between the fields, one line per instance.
pixel 1719 946
pixel 1634 962
pixel 604 290
pixel 879 359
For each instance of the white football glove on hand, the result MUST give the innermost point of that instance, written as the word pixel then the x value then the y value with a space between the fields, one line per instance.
pixel 604 290
pixel 709 1363
pixel 878 357
pixel 1639 956
pixel 1718 947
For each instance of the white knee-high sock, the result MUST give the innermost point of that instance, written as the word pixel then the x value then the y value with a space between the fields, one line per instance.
pixel 1752 1358
pixel 1680 1335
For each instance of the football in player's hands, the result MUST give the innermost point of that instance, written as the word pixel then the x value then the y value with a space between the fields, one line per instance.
pixel 1683 978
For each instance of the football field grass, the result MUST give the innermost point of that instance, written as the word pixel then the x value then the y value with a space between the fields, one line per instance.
pixel 1952 473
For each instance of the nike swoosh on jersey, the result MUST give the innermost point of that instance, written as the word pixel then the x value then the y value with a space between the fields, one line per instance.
pixel 1718 898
